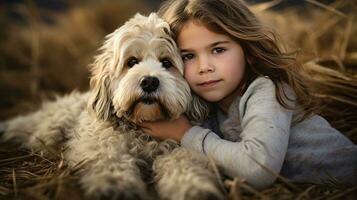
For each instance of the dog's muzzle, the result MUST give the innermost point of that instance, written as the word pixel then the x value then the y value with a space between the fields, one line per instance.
pixel 149 84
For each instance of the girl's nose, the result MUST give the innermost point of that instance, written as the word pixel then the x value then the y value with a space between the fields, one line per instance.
pixel 206 69
pixel 205 66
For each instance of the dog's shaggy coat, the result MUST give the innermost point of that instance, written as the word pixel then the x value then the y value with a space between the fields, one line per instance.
pixel 136 77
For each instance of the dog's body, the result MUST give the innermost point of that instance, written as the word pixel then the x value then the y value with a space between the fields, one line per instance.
pixel 137 77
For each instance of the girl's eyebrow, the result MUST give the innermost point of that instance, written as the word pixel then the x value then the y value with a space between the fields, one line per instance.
pixel 209 46
pixel 218 43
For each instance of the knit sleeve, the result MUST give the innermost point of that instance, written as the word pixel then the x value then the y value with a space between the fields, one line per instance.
pixel 259 155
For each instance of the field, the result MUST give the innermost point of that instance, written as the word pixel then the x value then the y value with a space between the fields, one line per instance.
pixel 45 53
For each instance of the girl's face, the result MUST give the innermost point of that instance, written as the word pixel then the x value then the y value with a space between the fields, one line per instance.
pixel 214 63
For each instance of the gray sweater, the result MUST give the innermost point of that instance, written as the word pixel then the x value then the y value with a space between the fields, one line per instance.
pixel 259 132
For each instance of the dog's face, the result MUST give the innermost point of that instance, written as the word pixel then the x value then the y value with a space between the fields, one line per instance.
pixel 139 73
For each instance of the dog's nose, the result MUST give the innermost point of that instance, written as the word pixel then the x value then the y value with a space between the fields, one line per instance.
pixel 149 84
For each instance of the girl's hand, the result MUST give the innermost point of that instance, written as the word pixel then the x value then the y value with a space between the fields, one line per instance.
pixel 172 129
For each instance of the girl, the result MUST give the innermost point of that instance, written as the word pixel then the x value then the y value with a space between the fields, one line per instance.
pixel 254 106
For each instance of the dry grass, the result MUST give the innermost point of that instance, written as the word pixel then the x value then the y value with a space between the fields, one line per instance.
pixel 327 44
pixel 39 59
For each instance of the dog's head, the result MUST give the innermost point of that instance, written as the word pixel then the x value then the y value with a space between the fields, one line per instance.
pixel 139 73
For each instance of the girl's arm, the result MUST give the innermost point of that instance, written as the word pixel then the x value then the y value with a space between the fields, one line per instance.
pixel 264 139
pixel 265 135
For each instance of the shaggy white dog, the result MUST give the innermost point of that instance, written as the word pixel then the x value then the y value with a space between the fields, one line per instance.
pixel 136 77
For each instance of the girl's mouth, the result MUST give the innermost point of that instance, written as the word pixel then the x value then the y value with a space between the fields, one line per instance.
pixel 209 83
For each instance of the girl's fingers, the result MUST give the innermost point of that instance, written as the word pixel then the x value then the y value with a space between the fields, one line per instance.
pixel 144 124
pixel 149 125
pixel 146 130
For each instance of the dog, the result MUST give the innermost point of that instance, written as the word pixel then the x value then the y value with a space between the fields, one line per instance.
pixel 137 76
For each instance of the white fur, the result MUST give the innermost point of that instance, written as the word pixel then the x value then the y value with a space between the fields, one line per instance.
pixel 99 132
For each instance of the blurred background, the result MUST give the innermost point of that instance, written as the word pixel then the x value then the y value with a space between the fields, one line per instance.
pixel 46 46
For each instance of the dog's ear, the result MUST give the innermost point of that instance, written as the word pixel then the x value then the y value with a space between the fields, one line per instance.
pixel 198 109
pixel 100 101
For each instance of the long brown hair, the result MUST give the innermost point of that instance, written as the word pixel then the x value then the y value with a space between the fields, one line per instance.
pixel 264 54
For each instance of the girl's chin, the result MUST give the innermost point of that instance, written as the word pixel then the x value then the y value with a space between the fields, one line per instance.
pixel 211 98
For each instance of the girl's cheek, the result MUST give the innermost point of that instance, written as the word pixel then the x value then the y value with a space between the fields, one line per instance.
pixel 185 71
pixel 188 75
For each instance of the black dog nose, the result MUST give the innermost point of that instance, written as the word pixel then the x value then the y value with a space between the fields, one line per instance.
pixel 149 84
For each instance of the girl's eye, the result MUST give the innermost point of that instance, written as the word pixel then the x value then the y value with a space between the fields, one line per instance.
pixel 187 57
pixel 166 63
pixel 132 61
pixel 218 50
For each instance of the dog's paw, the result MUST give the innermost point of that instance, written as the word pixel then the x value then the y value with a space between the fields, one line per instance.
pixel 128 194
pixel 115 189
pixel 195 193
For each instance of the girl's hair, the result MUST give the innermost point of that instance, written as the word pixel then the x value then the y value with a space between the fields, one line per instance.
pixel 263 55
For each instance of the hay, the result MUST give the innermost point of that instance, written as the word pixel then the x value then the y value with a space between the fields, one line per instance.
pixel 28 175
pixel 327 44
pixel 38 59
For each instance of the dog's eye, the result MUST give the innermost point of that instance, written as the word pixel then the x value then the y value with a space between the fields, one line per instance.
pixel 166 63
pixel 132 61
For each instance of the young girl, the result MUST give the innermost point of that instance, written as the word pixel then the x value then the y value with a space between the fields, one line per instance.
pixel 254 105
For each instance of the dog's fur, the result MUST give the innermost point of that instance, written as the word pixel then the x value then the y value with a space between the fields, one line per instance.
pixel 98 128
